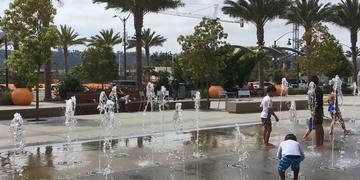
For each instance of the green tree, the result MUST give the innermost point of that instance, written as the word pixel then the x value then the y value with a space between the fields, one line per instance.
pixel 162 58
pixel 238 67
pixel 347 15
pixel 67 38
pixel 139 8
pixel 257 12
pixel 99 64
pixel 30 22
pixel 149 39
pixel 202 51
pixel 307 13
pixel 106 37
pixel 325 55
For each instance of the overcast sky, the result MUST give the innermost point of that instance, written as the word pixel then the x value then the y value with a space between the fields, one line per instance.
pixel 88 19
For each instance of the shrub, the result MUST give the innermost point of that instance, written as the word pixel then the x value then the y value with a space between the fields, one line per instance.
pixel 296 91
pixel 69 84
pixel 5 97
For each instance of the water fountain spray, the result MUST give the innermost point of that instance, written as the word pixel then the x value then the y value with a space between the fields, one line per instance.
pixel 197 154
pixel 178 117
pixel 70 123
pixel 293 116
pixel 162 106
pixel 114 98
pixel 150 96
pixel 109 127
pixel 241 153
pixel 284 88
pixel 17 132
pixel 312 105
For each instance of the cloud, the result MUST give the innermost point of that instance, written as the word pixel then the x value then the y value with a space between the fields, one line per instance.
pixel 88 19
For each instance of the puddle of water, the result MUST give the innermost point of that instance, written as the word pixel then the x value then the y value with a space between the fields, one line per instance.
pixel 174 152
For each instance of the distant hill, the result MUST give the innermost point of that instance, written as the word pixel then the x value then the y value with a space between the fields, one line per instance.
pixel 75 59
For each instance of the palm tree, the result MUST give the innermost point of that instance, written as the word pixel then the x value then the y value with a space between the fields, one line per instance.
pixel 148 40
pixel 106 37
pixel 68 37
pixel 257 12
pixel 307 13
pixel 347 14
pixel 139 8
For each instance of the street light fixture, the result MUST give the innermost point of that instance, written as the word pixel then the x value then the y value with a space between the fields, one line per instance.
pixel 124 41
pixel 275 45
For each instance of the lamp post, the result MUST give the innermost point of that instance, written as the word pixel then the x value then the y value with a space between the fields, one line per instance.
pixel 6 57
pixel 275 45
pixel 124 41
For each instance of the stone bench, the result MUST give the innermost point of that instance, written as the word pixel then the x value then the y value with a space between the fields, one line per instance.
pixel 242 107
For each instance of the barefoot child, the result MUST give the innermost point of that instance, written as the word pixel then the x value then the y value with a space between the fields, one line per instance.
pixel 290 154
pixel 310 125
pixel 266 113
pixel 335 113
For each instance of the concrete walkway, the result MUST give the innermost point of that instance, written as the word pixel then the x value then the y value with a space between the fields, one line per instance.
pixel 131 124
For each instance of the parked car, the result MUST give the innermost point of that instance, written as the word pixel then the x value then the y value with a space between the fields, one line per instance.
pixel 129 85
pixel 294 84
pixel 256 84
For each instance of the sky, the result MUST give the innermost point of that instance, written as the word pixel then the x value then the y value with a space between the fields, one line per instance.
pixel 88 19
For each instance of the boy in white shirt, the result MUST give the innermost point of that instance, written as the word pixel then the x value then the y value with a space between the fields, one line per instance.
pixel 290 154
pixel 266 113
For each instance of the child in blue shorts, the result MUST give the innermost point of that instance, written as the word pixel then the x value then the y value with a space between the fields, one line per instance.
pixel 310 125
pixel 290 154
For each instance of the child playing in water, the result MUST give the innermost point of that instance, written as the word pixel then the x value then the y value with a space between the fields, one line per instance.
pixel 335 113
pixel 290 154
pixel 310 125
pixel 266 113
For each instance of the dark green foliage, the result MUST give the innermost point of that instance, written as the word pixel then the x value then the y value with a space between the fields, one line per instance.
pixel 276 75
pixel 69 84
pixel 238 68
pixel 163 80
pixel 5 97
pixel 99 64
pixel 296 91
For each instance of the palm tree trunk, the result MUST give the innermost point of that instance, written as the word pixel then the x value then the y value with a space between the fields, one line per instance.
pixel 354 53
pixel 48 70
pixel 138 24
pixel 37 94
pixel 66 60
pixel 260 39
pixel 147 53
pixel 48 80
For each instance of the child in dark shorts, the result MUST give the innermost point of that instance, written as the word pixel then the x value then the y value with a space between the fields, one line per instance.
pixel 290 154
pixel 266 114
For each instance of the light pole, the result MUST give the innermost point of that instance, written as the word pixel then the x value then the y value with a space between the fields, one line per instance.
pixel 6 57
pixel 275 45
pixel 124 41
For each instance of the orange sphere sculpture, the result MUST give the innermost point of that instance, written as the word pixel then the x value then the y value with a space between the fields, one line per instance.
pixel 21 97
pixel 214 91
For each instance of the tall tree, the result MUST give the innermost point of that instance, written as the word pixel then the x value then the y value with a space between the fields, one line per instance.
pixel 139 8
pixel 347 14
pixel 257 12
pixel 68 37
pixel 31 24
pixel 325 55
pixel 106 37
pixel 307 13
pixel 101 58
pixel 149 39
pixel 202 52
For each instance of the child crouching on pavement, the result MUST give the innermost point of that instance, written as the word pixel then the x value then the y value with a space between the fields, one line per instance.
pixel 290 154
